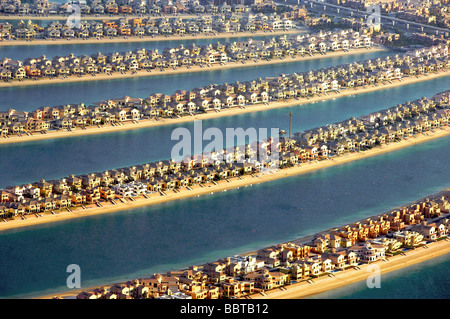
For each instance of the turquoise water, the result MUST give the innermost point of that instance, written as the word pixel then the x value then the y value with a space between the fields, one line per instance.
pixel 140 242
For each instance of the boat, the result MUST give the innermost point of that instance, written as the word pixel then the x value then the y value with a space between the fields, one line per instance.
pixel 282 132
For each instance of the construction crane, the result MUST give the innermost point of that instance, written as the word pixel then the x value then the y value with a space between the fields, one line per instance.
pixel 290 122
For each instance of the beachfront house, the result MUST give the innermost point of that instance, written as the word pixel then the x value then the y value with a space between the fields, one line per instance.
pixel 369 252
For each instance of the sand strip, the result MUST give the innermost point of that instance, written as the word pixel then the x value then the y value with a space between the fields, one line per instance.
pixel 222 185
pixel 183 69
pixel 223 112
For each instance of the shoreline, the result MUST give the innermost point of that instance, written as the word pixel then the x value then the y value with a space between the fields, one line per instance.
pixel 224 112
pixel 184 69
pixel 350 276
pixel 323 284
pixel 220 186
pixel 133 39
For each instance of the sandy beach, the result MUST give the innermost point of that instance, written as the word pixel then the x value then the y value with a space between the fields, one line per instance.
pixel 223 112
pixel 349 276
pixel 223 185
pixel 326 283
pixel 133 39
pixel 183 69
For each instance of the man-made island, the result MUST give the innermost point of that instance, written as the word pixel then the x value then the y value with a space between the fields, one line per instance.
pixel 151 183
pixel 302 267
pixel 226 99
pixel 105 9
pixel 144 29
